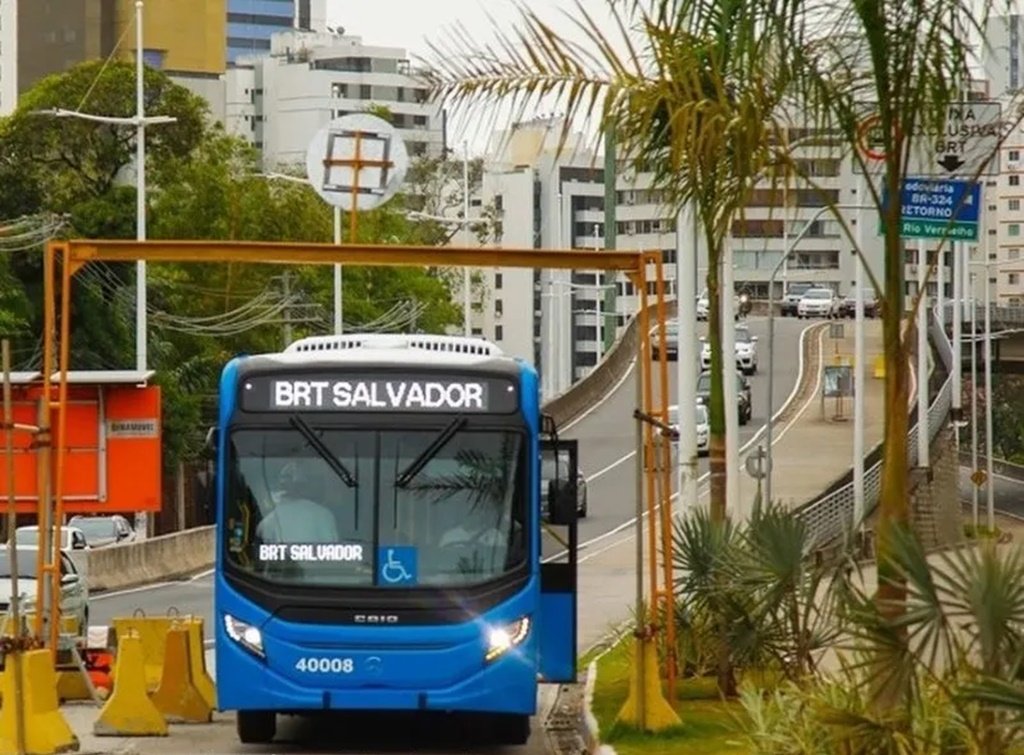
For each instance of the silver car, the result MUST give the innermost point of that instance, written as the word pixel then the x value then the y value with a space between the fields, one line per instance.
pixel 818 302
pixel 703 426
pixel 746 351
pixel 101 531
pixel 74 592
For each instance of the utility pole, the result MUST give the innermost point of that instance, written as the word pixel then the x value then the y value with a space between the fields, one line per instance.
pixel 608 295
pixel 287 291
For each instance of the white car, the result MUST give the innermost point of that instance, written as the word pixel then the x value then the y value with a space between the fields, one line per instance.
pixel 746 352
pixel 818 302
pixel 74 592
pixel 703 426
pixel 72 542
pixel 101 531
pixel 702 306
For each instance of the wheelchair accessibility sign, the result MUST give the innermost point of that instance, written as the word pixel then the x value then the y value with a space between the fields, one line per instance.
pixel 396 566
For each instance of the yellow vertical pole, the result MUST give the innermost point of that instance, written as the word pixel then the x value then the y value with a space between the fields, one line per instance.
pixel 664 471
pixel 12 525
pixel 649 461
pixel 357 165
pixel 62 444
pixel 43 438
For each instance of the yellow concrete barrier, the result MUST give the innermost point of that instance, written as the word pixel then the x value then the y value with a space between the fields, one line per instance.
pixel 197 661
pixel 880 367
pixel 152 635
pixel 46 730
pixel 177 697
pixel 129 712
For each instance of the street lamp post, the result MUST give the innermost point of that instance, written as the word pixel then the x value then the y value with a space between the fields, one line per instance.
pixel 467 306
pixel 989 432
pixel 140 121
pixel 464 222
pixel 338 326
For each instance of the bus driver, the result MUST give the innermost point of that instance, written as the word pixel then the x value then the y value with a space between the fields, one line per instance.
pixel 298 516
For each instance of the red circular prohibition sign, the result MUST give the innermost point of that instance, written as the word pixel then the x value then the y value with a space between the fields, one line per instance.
pixel 863 129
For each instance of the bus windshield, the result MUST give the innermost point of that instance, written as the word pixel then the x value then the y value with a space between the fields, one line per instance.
pixel 361 508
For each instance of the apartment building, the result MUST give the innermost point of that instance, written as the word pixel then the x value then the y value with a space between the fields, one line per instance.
pixel 185 38
pixel 1002 53
pixel 1003 234
pixel 8 56
pixel 280 100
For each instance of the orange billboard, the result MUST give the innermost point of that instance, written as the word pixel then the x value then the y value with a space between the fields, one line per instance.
pixel 112 449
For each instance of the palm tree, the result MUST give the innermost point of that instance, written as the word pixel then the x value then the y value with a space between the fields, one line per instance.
pixel 906 61
pixel 691 98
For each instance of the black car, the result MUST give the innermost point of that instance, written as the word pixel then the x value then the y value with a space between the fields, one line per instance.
pixel 848 305
pixel 743 392
pixel 547 474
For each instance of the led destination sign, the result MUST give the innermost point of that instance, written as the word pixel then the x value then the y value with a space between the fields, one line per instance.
pixel 363 393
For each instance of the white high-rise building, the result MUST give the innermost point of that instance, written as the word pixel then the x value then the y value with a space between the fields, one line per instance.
pixel 549 201
pixel 1002 52
pixel 8 56
pixel 278 102
pixel 311 15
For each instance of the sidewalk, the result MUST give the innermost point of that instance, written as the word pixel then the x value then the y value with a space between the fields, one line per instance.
pixel 817 447
pixel 809 454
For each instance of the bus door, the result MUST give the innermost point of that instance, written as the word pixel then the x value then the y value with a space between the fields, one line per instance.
pixel 559 506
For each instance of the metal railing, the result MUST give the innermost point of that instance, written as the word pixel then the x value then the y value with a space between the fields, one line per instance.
pixel 1010 318
pixel 831 515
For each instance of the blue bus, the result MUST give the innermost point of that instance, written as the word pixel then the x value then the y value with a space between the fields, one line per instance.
pixel 379 505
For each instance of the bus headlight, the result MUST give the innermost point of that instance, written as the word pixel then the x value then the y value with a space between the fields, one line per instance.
pixel 501 639
pixel 245 635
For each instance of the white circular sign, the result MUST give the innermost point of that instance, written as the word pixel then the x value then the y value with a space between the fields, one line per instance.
pixel 357 156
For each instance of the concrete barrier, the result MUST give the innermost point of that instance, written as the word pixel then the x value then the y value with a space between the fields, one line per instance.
pixel 603 378
pixel 184 553
pixel 165 557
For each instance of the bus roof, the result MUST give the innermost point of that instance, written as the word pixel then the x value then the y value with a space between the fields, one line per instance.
pixel 389 349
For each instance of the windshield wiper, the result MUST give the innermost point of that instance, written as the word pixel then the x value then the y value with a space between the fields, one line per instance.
pixel 429 452
pixel 318 445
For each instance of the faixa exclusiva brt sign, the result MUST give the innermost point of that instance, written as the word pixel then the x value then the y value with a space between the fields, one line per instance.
pixel 331 393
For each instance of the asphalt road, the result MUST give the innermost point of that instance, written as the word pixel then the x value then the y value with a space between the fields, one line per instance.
pixel 606 436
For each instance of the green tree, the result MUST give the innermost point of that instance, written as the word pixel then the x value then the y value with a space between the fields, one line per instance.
pixel 906 62
pixel 692 99
pixel 77 158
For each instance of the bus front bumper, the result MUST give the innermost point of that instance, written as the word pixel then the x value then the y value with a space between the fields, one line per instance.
pixel 246 682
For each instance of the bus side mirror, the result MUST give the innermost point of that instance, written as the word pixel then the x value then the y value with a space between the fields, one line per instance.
pixel 562 502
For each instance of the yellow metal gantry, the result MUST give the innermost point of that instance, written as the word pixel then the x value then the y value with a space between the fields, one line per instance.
pixel 75 254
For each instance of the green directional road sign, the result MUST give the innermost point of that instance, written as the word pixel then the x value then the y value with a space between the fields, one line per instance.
pixel 933 209
pixel 938 229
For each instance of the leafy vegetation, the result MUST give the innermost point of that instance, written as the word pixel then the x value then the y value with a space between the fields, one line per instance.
pixel 74 178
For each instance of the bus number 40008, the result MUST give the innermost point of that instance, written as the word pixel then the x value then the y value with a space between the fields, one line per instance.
pixel 325 665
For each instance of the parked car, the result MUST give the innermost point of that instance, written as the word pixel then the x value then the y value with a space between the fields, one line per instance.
pixel 745 348
pixel 743 394
pixel 671 340
pixel 702 306
pixel 101 531
pixel 790 300
pixel 818 302
pixel 548 473
pixel 848 305
pixel 72 542
pixel 74 592
pixel 703 426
